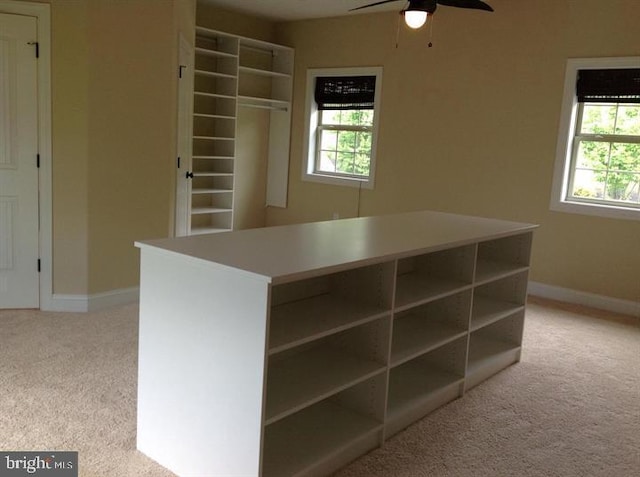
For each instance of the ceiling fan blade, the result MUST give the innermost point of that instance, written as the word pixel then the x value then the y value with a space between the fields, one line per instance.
pixel 372 5
pixel 474 4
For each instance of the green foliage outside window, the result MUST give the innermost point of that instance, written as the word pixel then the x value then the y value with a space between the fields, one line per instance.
pixel 346 150
pixel 607 167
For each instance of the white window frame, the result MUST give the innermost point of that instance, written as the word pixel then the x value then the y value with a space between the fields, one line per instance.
pixel 560 200
pixel 309 172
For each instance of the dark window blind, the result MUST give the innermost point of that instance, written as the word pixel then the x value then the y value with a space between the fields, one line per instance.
pixel 345 92
pixel 609 86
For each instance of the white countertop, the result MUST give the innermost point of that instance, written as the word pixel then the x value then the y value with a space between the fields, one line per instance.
pixel 293 252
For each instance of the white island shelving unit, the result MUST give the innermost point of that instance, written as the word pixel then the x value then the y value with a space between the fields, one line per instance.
pixel 293 350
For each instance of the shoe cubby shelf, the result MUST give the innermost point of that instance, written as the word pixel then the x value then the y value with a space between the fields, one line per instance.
pixel 317 373
pixel 277 354
pixel 230 72
pixel 290 450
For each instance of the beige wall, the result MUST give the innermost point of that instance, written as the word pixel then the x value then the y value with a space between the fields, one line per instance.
pixel 114 94
pixel 234 23
pixel 70 147
pixel 470 125
pixel 250 180
pixel 132 118
pixel 114 90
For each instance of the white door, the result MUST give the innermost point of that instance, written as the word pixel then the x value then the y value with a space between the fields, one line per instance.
pixel 19 231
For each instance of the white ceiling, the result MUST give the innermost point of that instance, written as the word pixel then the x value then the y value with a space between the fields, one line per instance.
pixel 302 9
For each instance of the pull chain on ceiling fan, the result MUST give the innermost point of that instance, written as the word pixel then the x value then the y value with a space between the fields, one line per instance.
pixel 417 11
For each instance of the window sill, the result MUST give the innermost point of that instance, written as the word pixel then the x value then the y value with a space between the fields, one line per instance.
pixel 598 210
pixel 364 183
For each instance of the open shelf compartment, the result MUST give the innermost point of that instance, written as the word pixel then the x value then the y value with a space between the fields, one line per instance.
pixel 263 58
pixel 301 376
pixel 214 104
pixel 211 222
pixel 210 125
pixel 494 300
pixel 503 257
pixel 423 384
pixel 434 275
pixel 327 435
pixel 316 307
pixel 210 203
pixel 225 45
pixel 427 327
pixel 494 347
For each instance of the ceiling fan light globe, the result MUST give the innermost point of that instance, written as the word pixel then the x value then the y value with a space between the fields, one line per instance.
pixel 415 18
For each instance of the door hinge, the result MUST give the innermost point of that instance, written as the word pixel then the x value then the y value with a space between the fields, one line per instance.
pixel 180 68
pixel 178 163
pixel 38 161
pixel 39 265
pixel 37 47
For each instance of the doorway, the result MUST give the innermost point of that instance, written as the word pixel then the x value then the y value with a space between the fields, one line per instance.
pixel 25 156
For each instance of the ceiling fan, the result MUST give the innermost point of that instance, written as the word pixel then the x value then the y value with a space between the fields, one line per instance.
pixel 416 12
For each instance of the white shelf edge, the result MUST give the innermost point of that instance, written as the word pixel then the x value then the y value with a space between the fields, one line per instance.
pixel 216 53
pixel 491 277
pixel 402 417
pixel 260 72
pixel 318 311
pixel 214 157
pixel 398 413
pixel 208 210
pixel 487 319
pixel 214 138
pixel 214 74
pixel 212 174
pixel 210 33
pixel 432 297
pixel 214 95
pixel 263 45
pixel 213 116
pixel 208 230
pixel 324 334
pixel 487 351
pixel 350 428
pixel 260 102
pixel 427 349
pixel 321 397
pixel 395 411
pixel 346 446
pixel 211 191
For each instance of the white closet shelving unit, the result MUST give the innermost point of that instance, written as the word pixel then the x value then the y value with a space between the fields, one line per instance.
pixel 275 352
pixel 231 72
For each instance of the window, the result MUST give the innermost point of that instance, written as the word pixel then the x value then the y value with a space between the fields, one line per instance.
pixel 598 157
pixel 341 124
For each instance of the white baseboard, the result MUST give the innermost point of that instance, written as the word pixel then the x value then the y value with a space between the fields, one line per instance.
pixel 94 302
pixel 616 305
pixel 124 296
pixel 73 303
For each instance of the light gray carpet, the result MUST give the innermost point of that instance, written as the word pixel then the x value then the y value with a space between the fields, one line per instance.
pixel 570 408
